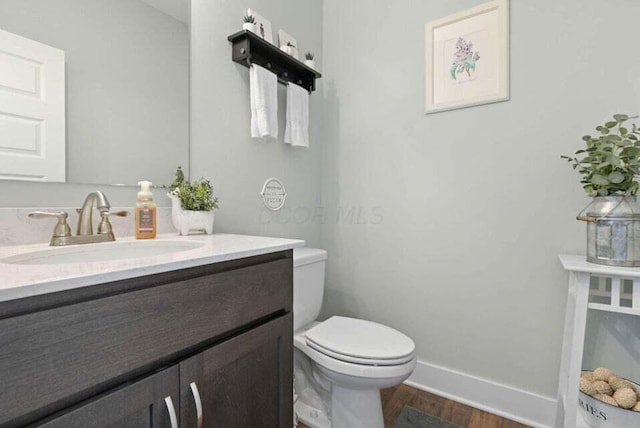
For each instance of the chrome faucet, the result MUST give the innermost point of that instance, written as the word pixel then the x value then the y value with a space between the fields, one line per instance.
pixel 62 231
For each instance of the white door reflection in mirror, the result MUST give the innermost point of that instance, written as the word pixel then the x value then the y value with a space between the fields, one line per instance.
pixel 32 110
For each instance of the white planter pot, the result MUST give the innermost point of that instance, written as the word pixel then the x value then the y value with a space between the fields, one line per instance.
pixel 249 26
pixel 190 221
pixel 310 63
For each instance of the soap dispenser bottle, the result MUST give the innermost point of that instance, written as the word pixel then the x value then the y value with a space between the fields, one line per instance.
pixel 145 212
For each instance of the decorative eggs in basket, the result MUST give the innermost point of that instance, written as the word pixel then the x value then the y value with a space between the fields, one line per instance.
pixel 608 401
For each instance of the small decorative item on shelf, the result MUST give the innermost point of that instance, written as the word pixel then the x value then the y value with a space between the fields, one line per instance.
pixel 308 60
pixel 609 165
pixel 192 204
pixel 607 400
pixel 249 23
pixel 288 43
pixel 263 25
pixel 289 49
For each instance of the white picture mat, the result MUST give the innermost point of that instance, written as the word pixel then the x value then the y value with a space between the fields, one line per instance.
pixel 261 20
pixel 487 26
pixel 284 37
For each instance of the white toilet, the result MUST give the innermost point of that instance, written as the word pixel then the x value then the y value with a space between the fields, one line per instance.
pixel 340 364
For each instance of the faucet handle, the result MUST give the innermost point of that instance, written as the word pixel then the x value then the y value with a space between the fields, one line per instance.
pixel 104 227
pixel 62 227
pixel 105 224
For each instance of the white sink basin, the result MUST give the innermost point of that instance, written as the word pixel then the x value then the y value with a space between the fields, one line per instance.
pixel 102 252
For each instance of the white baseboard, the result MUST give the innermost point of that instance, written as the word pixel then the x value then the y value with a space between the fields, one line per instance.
pixel 502 400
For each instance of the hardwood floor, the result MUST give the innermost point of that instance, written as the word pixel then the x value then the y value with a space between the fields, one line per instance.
pixel 394 399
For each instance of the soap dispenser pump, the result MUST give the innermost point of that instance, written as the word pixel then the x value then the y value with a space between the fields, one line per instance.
pixel 145 212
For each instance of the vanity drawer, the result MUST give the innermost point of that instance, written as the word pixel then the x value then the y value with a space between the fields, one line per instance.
pixel 56 357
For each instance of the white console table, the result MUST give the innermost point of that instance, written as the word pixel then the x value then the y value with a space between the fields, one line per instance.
pixel 580 274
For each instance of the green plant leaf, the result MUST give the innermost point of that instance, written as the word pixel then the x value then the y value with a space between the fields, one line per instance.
pixel 599 180
pixel 630 152
pixel 614 139
pixel 590 190
pixel 616 177
pixel 611 124
pixel 621 117
pixel 613 160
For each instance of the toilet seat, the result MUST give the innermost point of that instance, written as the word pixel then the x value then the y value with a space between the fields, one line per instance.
pixel 360 342
pixel 363 371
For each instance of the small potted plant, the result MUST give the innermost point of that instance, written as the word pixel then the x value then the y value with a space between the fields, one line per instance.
pixel 609 165
pixel 249 23
pixel 192 204
pixel 308 60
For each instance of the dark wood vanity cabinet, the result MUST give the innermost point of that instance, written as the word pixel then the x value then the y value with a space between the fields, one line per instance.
pixel 146 403
pixel 215 339
pixel 242 382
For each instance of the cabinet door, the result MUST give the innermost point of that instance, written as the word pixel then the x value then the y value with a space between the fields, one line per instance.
pixel 141 404
pixel 243 382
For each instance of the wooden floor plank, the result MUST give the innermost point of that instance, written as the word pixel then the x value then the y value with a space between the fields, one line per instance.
pixel 456 413
pixel 394 400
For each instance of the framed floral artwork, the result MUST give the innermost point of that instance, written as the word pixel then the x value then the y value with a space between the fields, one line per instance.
pixel 467 58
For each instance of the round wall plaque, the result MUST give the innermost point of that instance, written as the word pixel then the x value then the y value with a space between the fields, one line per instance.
pixel 273 194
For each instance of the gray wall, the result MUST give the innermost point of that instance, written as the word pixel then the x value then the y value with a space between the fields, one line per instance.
pixel 221 145
pixel 127 84
pixel 475 203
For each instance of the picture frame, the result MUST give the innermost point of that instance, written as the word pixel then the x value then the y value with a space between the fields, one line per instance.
pixel 263 26
pixel 284 39
pixel 467 58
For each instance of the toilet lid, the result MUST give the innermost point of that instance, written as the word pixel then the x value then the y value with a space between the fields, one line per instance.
pixel 359 341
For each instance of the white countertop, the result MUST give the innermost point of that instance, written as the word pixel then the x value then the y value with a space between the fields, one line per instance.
pixel 580 264
pixel 19 281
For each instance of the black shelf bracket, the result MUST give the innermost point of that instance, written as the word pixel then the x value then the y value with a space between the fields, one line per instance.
pixel 249 48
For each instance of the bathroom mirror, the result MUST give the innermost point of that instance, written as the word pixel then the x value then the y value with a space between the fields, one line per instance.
pixel 126 85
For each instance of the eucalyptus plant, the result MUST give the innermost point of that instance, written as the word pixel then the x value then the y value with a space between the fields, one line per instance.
pixel 611 161
pixel 196 196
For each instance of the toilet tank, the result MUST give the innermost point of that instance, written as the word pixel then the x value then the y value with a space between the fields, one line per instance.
pixel 308 285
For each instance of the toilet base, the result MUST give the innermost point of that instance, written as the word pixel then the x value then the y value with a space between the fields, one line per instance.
pixel 350 409
pixel 311 417
pixel 356 408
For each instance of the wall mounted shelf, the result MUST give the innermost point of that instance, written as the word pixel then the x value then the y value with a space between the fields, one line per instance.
pixel 249 48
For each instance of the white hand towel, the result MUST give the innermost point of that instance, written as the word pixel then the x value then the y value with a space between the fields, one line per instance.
pixel 263 86
pixel 297 130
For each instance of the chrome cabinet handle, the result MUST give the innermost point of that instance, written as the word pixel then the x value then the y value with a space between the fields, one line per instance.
pixel 196 398
pixel 172 412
